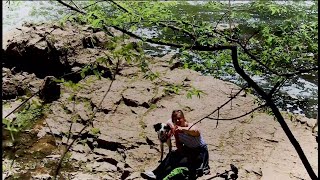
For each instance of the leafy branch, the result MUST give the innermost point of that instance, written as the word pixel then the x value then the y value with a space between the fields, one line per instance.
pixel 90 121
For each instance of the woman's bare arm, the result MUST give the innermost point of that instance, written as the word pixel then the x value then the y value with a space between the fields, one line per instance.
pixel 193 131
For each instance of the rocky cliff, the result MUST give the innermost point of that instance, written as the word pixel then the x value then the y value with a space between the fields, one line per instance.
pixel 121 142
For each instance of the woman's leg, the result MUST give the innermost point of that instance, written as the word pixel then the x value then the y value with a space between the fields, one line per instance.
pixel 170 161
pixel 198 161
pixel 173 160
pixel 205 161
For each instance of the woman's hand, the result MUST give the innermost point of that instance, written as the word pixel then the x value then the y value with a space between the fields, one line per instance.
pixel 193 131
pixel 179 129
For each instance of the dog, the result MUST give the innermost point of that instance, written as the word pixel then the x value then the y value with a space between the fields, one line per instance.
pixel 164 135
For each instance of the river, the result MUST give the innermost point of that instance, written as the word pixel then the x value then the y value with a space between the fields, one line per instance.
pixel 300 95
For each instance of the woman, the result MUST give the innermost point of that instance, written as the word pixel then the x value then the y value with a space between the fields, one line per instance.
pixel 192 151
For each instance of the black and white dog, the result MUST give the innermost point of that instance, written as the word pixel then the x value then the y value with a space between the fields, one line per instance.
pixel 164 135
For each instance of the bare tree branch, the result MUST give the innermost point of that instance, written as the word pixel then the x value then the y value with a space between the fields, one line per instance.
pixel 186 46
pixel 237 117
pixel 252 35
pixel 276 113
pixel 234 96
pixel 25 101
pixel 92 4
pixel 220 20
pixel 301 71
pixel 275 88
pixel 71 7
pixel 74 4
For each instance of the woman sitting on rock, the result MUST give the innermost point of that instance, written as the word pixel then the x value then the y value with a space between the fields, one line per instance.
pixel 192 151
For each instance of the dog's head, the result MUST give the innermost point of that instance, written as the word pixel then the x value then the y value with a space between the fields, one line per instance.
pixel 163 131
pixel 233 173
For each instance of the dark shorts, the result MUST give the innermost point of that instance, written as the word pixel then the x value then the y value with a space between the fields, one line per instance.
pixel 195 159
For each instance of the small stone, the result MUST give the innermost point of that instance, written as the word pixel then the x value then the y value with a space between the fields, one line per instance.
pixel 135 175
pixel 81 148
pixel 311 122
pixel 79 156
pixel 83 176
pixel 53 156
pixel 104 166
pixel 41 133
pixel 76 128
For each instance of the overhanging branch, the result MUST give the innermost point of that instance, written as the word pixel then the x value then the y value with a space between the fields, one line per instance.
pixel 71 7
pixel 276 113
pixel 234 96
pixel 186 46
pixel 237 117
pixel 160 23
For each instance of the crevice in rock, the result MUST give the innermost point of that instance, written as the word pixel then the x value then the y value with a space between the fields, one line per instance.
pixel 12 89
pixel 125 174
pixel 130 102
pixel 176 65
pixel 145 104
pixel 110 145
pixel 108 160
pixel 156 99
pixel 134 103
pixel 134 146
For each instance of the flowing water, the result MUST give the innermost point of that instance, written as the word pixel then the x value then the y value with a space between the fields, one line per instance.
pixel 300 94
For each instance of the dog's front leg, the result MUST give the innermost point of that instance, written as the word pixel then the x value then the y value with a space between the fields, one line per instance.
pixel 169 144
pixel 161 149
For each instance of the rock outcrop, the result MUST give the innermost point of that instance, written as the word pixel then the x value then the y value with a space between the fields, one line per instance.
pixel 120 142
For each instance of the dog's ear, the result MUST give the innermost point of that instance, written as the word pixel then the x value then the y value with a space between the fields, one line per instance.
pixel 157 127
pixel 167 127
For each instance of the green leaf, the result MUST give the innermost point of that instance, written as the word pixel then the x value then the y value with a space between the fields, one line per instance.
pixel 97 74
pixel 189 95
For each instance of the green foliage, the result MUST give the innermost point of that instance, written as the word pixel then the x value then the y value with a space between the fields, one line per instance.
pixel 194 92
pixel 88 69
pixel 95 131
pixel 267 110
pixel 69 84
pixel 10 127
pixel 151 76
pixel 153 106
pixel 286 38
pixel 25 118
pixel 172 89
